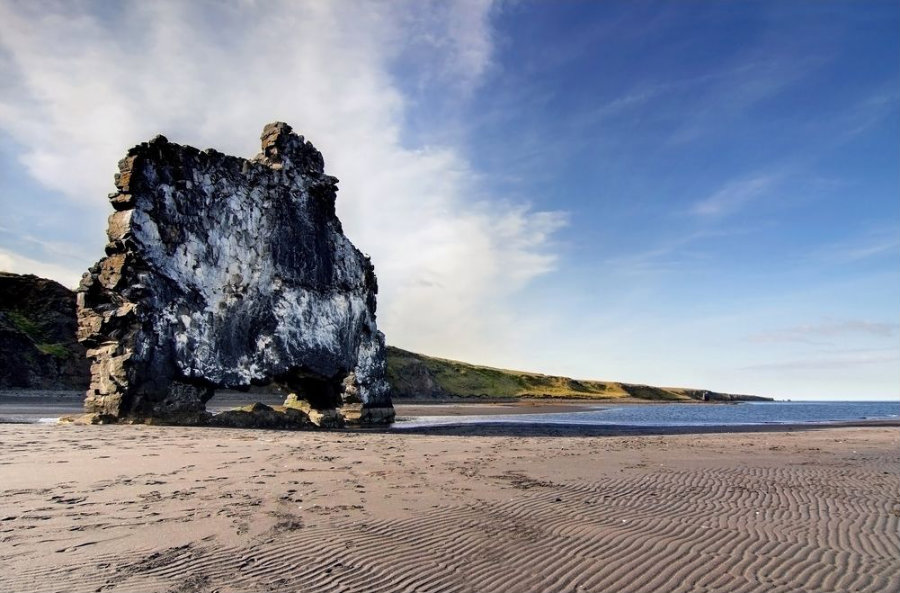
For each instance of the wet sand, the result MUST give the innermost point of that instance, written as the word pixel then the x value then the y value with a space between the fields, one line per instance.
pixel 142 508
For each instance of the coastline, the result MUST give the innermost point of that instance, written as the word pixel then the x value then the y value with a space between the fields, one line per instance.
pixel 512 416
pixel 536 429
pixel 513 420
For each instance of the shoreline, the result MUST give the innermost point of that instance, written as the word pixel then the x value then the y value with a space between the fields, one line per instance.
pixel 522 427
pixel 535 429
pixel 475 417
pixel 527 429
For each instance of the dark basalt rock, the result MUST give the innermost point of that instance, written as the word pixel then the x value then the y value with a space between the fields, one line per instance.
pixel 37 335
pixel 222 272
pixel 261 416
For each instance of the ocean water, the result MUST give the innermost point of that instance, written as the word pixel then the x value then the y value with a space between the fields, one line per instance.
pixel 33 407
pixel 672 415
pixel 39 406
pixel 47 406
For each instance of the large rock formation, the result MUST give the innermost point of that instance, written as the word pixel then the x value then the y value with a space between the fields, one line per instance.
pixel 37 335
pixel 222 272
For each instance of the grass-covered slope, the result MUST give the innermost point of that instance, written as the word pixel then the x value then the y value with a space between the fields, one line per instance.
pixel 38 349
pixel 416 376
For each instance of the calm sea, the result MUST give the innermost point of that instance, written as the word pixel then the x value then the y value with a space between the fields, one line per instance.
pixel 32 407
pixel 47 406
pixel 663 415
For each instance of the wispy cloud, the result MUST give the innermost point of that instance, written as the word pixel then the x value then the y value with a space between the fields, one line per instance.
pixel 634 99
pixel 19 264
pixel 60 251
pixel 836 363
pixel 871 111
pixel 733 196
pixel 875 243
pixel 665 258
pixel 678 253
pixel 82 83
pixel 828 329
pixel 456 40
pixel 753 77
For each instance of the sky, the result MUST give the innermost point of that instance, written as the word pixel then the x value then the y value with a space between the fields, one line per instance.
pixel 698 194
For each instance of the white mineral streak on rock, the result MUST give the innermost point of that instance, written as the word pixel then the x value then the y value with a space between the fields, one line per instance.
pixel 238 274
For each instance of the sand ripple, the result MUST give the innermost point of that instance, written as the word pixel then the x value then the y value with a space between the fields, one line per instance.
pixel 641 526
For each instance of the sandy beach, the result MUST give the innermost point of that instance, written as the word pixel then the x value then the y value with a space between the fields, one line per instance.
pixel 141 508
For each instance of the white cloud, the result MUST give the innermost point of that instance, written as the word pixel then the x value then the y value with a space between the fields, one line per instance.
pixel 456 40
pixel 18 264
pixel 81 86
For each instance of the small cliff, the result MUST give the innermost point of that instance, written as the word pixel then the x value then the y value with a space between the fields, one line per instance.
pixel 223 272
pixel 37 336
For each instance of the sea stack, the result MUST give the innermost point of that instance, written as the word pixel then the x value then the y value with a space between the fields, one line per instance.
pixel 223 272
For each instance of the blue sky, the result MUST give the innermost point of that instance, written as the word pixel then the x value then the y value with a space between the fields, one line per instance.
pixel 696 194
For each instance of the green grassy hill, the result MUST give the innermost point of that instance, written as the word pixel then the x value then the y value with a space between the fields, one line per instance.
pixel 38 349
pixel 415 376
